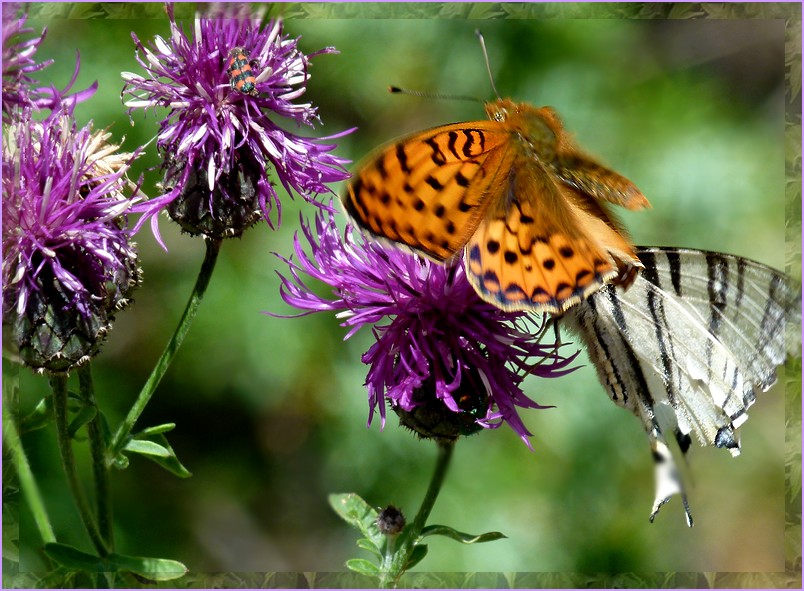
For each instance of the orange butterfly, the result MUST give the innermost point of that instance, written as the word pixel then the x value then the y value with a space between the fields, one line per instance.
pixel 514 192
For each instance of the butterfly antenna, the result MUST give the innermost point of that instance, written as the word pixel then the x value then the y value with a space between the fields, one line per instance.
pixel 453 97
pixel 486 57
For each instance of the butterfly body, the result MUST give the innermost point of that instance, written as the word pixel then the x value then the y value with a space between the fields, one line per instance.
pixel 514 194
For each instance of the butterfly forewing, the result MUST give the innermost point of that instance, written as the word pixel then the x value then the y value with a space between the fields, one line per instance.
pixel 691 344
pixel 430 190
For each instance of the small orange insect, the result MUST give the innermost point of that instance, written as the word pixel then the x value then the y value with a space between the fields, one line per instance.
pixel 241 75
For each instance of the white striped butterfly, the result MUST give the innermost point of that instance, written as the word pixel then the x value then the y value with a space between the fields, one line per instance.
pixel 688 347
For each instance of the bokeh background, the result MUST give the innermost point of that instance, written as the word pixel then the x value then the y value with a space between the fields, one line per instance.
pixel 271 412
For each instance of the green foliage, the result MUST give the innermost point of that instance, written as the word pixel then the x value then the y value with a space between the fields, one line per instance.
pixel 448 532
pixel 360 515
pixel 152 569
pixel 152 444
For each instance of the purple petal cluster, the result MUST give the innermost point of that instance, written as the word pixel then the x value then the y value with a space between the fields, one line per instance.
pixel 432 329
pixel 214 128
pixel 63 208
pixel 20 89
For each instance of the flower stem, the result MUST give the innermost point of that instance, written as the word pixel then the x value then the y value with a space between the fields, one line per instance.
pixel 97 446
pixel 58 384
pixel 121 435
pixel 28 485
pixel 407 542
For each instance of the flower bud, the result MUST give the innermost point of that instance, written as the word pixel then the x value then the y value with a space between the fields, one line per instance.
pixel 390 521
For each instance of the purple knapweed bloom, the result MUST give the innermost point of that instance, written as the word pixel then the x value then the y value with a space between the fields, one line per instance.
pixel 440 351
pixel 20 90
pixel 68 260
pixel 221 142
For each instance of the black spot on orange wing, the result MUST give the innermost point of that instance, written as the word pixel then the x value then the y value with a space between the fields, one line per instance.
pixel 433 182
pixel 438 156
pixel 461 180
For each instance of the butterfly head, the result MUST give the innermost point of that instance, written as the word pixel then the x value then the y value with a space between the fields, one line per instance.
pixel 502 109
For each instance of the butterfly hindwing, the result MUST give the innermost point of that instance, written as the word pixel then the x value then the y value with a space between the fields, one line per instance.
pixel 543 246
pixel 430 190
pixel 689 346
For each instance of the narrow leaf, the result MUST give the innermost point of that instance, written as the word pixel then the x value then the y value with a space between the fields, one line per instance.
pixel 155 430
pixel 147 448
pixel 367 544
pixel 356 512
pixel 74 558
pixel 416 556
pixel 362 566
pixel 171 463
pixel 464 538
pixel 160 452
pixel 39 417
pixel 84 416
pixel 154 569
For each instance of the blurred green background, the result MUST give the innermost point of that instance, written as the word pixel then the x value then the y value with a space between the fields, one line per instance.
pixel 271 412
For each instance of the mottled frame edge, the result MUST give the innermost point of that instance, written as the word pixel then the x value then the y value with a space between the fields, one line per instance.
pixel 790 12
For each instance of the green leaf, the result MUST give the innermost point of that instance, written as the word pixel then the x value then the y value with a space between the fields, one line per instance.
pixel 417 554
pixel 154 569
pixel 84 416
pixel 367 544
pixel 362 566
pixel 155 430
pixel 158 451
pixel 443 530
pixel 11 549
pixel 120 461
pixel 147 448
pixel 74 558
pixel 357 513
pixel 41 416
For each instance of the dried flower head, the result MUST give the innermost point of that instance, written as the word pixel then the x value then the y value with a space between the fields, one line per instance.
pixel 445 360
pixel 68 260
pixel 224 87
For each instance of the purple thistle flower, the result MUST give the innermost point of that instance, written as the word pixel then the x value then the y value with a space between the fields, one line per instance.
pixel 221 142
pixel 68 262
pixel 20 90
pixel 437 341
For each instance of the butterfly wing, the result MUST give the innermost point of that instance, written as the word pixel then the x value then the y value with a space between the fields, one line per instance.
pixel 430 190
pixel 544 246
pixel 689 345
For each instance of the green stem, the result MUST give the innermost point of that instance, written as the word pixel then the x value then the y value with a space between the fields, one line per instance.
pixel 124 431
pixel 407 541
pixel 97 446
pixel 58 384
pixel 28 486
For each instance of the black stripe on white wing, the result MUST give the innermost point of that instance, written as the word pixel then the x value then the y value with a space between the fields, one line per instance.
pixel 689 345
